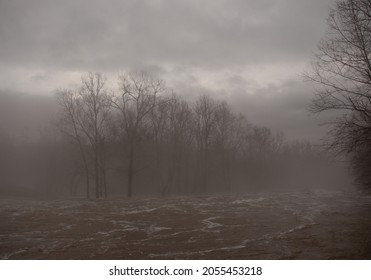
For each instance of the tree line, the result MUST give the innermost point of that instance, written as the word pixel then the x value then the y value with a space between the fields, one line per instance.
pixel 143 138
pixel 140 138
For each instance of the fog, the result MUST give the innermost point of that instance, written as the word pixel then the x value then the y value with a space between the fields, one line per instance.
pixel 187 180
pixel 172 130
pixel 199 146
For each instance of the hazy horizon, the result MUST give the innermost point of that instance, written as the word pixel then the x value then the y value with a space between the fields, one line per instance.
pixel 251 54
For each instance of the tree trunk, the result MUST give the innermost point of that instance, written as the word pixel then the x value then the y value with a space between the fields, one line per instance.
pixel 86 167
pixel 87 183
pixel 104 178
pixel 131 170
pixel 96 171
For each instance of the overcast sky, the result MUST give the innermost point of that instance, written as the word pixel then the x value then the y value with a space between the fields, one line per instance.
pixel 248 52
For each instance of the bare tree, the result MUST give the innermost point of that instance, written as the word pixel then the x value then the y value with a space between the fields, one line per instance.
pixel 205 117
pixel 137 97
pixel 176 142
pixel 224 141
pixel 94 103
pixel 342 67
pixel 159 122
pixel 85 116
pixel 70 125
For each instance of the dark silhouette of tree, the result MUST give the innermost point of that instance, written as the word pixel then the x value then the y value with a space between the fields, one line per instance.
pixel 94 103
pixel 85 117
pixel 178 147
pixel 205 120
pixel 173 135
pixel 342 68
pixel 137 97
pixel 70 125
pixel 225 141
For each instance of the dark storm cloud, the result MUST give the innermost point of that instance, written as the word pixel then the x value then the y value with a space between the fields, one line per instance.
pixel 241 50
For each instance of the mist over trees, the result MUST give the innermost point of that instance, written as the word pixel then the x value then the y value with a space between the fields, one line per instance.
pixel 141 138
pixel 85 119
pixel 342 69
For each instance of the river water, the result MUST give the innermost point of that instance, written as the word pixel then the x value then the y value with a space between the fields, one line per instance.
pixel 288 225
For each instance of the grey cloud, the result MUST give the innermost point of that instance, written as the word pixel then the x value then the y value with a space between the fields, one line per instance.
pixel 40 77
pixel 110 35
pixel 49 41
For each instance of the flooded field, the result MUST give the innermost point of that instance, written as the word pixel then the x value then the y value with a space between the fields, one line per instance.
pixel 292 225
